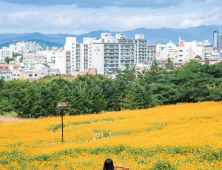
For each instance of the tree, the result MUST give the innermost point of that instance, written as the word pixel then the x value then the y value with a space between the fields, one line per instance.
pixel 21 59
pixel 7 59
pixel 197 57
pixel 169 64
pixel 128 74
pixel 31 102
pixel 216 90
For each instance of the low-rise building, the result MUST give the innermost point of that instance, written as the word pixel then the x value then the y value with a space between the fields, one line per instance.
pixel 76 73
pixel 27 74
pixel 32 57
pixel 6 75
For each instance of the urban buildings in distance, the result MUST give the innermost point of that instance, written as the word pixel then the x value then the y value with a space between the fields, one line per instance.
pixel 105 55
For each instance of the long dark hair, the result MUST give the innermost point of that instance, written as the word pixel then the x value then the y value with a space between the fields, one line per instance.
pixel 108 165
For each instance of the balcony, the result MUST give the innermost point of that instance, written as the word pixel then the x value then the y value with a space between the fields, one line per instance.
pixel 5 72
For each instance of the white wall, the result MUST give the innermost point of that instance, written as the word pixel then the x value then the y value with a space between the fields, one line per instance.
pixel 139 36
pixel 98 57
pixel 60 62
pixel 120 36
pixel 71 46
pixel 5 52
pixel 163 51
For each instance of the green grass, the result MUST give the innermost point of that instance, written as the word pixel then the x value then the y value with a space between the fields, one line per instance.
pixel 10 114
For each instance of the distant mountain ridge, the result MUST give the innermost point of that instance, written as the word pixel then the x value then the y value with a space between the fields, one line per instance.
pixel 153 36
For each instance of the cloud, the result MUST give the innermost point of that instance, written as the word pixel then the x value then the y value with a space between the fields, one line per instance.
pixel 101 3
pixel 211 17
pixel 15 18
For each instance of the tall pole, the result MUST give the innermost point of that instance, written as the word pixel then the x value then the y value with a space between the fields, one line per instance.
pixel 62 126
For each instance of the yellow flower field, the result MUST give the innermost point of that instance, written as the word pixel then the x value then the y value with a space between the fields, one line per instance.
pixel 184 136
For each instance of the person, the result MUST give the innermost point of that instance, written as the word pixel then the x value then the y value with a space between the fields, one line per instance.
pixel 108 165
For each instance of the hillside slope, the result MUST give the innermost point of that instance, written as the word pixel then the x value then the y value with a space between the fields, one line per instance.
pixel 184 136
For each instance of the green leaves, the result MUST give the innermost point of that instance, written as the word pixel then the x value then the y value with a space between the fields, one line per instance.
pixel 88 93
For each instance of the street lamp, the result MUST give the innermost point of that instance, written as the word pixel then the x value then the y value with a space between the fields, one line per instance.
pixel 62 106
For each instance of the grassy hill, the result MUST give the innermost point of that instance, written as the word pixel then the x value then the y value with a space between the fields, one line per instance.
pixel 184 136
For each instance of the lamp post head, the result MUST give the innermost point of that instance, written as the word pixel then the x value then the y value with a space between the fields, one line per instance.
pixel 62 105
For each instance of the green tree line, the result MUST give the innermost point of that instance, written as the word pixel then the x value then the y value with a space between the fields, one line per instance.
pixel 192 82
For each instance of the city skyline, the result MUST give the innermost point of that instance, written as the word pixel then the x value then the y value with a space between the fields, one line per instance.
pixel 77 18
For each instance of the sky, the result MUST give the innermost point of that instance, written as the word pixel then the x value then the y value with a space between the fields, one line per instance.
pixel 82 16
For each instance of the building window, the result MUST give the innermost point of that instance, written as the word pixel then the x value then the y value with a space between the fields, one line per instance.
pixel 8 77
pixel 36 75
pixel 18 74
pixel 30 75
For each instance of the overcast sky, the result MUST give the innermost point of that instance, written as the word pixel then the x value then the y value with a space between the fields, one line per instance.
pixel 81 16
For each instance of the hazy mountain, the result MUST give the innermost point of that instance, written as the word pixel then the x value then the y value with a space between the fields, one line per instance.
pixel 163 35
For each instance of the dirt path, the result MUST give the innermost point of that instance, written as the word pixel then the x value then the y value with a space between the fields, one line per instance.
pixel 9 119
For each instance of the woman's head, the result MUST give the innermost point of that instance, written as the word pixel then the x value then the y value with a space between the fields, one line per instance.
pixel 108 165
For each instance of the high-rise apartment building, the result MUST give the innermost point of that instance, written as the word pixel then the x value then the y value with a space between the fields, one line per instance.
pixel 111 54
pixel 215 40
pixel 151 52
pixel 219 39
pixel 70 52
pixel 107 54
pixel 29 46
pixel 5 52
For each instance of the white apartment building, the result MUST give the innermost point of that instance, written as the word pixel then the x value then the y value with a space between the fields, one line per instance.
pixel 151 50
pixel 56 59
pixel 185 51
pixel 60 61
pixel 165 51
pixel 188 50
pixel 5 52
pixel 107 54
pixel 29 46
pixel 206 43
pixel 31 57
pixel 140 48
pixel 70 50
pixel 110 54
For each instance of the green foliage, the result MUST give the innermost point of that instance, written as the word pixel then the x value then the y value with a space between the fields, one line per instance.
pixel 163 164
pixel 193 82
pixel 21 59
pixel 7 59
pixel 128 74
pixel 216 90
pixel 10 114
pixel 169 64
pixel 197 57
